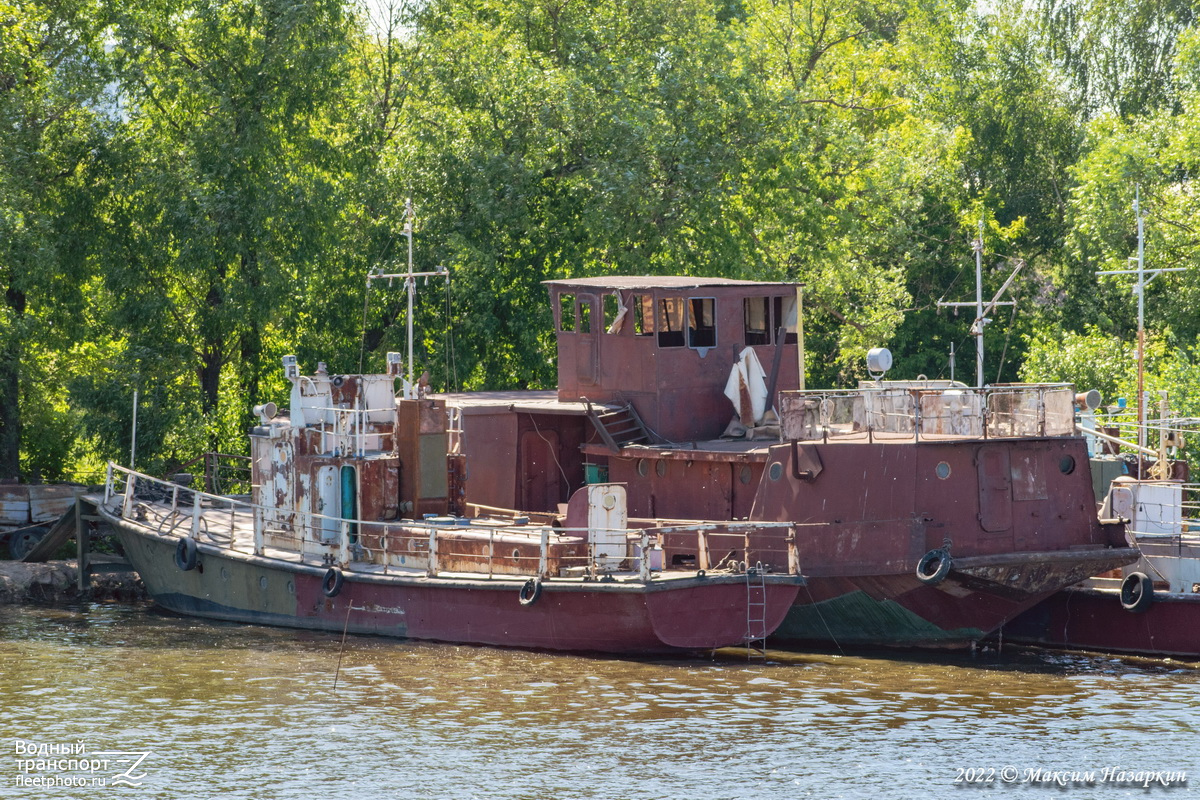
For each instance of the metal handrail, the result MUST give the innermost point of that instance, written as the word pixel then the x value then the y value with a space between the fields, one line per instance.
pixel 908 411
pixel 652 537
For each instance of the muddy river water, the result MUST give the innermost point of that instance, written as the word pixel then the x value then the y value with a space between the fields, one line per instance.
pixel 109 700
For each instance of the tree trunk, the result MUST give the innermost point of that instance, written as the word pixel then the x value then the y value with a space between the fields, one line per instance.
pixel 210 368
pixel 10 392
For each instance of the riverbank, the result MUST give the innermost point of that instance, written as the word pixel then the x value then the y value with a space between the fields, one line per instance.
pixel 58 582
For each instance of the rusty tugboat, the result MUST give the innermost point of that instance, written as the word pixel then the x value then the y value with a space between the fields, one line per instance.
pixel 926 513
pixel 351 526
pixel 625 512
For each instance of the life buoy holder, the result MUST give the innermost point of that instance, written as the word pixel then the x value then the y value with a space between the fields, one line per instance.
pixel 934 566
pixel 1137 592
pixel 185 554
pixel 531 590
pixel 332 584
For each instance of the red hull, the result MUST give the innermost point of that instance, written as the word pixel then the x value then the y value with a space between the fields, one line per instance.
pixel 1093 619
pixel 670 614
pixel 977 597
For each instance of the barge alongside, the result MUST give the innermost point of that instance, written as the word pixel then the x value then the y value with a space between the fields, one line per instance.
pixel 1151 607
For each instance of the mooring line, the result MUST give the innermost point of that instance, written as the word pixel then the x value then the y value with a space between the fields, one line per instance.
pixel 342 646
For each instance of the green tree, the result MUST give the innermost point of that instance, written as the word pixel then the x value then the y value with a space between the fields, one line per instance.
pixel 53 114
pixel 231 193
pixel 1117 54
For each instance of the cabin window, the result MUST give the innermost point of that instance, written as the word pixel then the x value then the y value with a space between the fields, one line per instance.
pixel 585 316
pixel 757 316
pixel 670 322
pixel 785 317
pixel 566 312
pixel 643 314
pixel 614 319
pixel 702 322
pixel 764 316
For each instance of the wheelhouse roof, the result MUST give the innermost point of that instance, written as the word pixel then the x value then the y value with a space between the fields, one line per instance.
pixel 649 282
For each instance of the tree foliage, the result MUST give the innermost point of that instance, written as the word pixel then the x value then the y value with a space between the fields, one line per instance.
pixel 192 189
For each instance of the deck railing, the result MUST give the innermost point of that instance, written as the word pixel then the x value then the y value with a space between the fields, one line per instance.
pixel 439 545
pixel 928 408
pixel 351 431
pixel 1164 515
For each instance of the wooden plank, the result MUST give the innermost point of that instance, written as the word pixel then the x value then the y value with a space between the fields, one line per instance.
pixel 58 534
pixel 82 547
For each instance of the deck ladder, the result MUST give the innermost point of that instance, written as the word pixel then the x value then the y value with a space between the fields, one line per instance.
pixel 756 612
pixel 619 427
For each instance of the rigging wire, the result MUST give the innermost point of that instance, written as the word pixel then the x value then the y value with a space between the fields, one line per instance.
pixel 1007 336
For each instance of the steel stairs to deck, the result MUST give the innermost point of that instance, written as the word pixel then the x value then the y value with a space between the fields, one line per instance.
pixel 619 428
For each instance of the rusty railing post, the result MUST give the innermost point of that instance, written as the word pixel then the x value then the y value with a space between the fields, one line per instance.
pixel 432 569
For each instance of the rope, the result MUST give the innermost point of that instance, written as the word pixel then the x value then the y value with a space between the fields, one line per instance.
pixel 342 646
pixel 828 630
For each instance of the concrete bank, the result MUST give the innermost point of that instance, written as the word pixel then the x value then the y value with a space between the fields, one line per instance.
pixel 58 582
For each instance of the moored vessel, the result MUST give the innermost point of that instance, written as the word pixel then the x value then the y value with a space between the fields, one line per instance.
pixel 1152 606
pixel 926 513
pixel 351 525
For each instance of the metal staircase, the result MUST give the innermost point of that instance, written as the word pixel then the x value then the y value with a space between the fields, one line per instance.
pixel 620 427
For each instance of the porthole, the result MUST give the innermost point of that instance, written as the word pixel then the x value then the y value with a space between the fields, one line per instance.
pixel 642 469
pixel 262 581
pixel 291 587
pixel 942 470
pixel 661 468
pixel 745 474
pixel 1066 465
pixel 516 555
pixel 776 471
pixel 224 574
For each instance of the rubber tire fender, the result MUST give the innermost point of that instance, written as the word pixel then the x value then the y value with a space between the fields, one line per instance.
pixel 934 566
pixel 333 581
pixel 185 554
pixel 1137 592
pixel 531 591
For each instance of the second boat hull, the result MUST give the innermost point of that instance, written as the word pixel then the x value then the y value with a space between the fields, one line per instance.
pixel 1091 618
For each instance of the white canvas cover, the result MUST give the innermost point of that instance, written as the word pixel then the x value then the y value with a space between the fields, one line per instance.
pixel 748 375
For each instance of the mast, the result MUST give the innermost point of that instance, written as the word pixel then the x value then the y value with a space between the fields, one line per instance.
pixel 410 286
pixel 981 311
pixel 1141 295
pixel 1139 289
pixel 977 328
